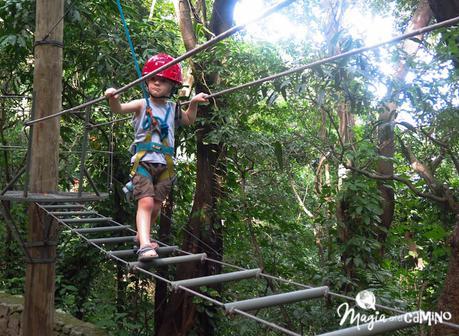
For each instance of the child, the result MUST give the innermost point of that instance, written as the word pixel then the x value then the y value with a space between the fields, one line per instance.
pixel 154 122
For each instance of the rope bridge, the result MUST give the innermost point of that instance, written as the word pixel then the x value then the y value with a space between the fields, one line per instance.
pixel 116 241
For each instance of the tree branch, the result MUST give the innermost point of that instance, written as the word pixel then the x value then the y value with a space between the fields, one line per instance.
pixel 300 201
pixel 419 167
pixel 406 182
pixel 183 11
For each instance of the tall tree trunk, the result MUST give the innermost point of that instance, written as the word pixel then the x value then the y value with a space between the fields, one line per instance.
pixel 204 230
pixel 449 298
pixel 345 222
pixel 38 315
pixel 446 201
pixel 120 215
pixel 421 18
pixel 444 9
pixel 335 11
pixel 161 290
pixel 8 236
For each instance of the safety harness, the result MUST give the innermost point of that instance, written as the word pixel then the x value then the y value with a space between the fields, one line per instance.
pixel 152 124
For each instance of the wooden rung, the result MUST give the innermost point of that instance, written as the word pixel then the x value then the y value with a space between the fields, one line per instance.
pixel 390 323
pixel 86 220
pixel 132 252
pixel 218 278
pixel 168 261
pixel 112 240
pixel 277 299
pixel 102 229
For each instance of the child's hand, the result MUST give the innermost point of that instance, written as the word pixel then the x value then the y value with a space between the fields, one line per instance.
pixel 110 93
pixel 200 98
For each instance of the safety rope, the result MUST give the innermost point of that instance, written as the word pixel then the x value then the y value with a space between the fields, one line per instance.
pixel 133 54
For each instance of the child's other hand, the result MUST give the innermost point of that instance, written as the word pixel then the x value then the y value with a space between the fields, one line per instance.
pixel 110 93
pixel 200 98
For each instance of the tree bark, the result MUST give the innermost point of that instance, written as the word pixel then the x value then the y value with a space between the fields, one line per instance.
pixel 444 9
pixel 345 223
pixel 8 235
pixel 161 291
pixel 449 298
pixel 181 315
pixel 38 312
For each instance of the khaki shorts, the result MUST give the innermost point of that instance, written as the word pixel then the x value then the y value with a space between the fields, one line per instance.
pixel 146 187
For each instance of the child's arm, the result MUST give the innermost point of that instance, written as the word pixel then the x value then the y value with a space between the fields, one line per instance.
pixel 189 116
pixel 134 106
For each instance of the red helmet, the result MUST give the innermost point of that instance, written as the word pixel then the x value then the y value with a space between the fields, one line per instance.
pixel 174 73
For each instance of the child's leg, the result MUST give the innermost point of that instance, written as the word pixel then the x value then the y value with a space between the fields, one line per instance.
pixel 145 208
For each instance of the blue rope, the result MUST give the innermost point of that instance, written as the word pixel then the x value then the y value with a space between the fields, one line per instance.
pixel 128 37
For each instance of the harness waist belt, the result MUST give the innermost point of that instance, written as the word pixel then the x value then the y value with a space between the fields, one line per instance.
pixel 153 147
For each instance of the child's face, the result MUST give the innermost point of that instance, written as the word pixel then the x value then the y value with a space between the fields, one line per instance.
pixel 159 86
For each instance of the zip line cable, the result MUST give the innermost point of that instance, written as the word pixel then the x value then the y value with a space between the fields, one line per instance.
pixel 352 52
pixel 188 54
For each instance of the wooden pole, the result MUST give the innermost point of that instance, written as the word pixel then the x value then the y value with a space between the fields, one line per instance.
pixel 38 316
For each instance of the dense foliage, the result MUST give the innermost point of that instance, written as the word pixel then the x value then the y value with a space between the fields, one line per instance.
pixel 287 173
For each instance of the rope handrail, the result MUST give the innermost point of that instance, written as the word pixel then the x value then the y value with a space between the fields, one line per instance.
pixel 352 52
pixel 186 55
